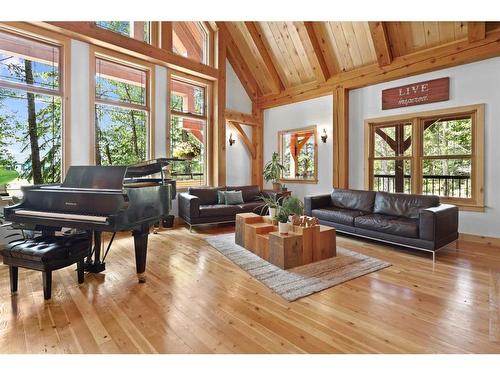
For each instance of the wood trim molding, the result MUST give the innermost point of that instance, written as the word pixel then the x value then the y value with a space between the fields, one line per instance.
pixel 256 34
pixel 483 240
pixel 90 33
pixel 318 58
pixel 381 42
pixel 258 141
pixel 440 57
pixel 341 138
pixel 242 118
pixel 242 135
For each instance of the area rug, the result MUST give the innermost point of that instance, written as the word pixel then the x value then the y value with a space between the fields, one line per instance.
pixel 302 281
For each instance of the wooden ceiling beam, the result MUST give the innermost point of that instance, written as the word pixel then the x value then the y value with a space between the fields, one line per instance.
pixel 381 42
pixel 440 57
pixel 476 31
pixel 318 59
pixel 242 118
pixel 258 38
pixel 239 64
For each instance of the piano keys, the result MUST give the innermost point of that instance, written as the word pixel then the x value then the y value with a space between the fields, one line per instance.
pixel 95 199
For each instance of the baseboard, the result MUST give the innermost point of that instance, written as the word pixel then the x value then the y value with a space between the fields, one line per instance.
pixel 483 240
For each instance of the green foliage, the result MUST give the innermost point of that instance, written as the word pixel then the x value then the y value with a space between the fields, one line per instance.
pixel 7 176
pixel 293 206
pixel 282 215
pixel 273 169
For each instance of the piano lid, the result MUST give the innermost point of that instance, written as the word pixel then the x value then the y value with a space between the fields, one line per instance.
pixel 95 177
pixel 149 167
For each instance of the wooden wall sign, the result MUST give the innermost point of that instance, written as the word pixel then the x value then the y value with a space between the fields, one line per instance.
pixel 436 90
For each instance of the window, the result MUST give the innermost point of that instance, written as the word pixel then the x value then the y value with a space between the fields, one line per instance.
pixel 139 30
pixel 191 40
pixel 188 130
pixel 31 93
pixel 298 154
pixel 438 153
pixel 121 113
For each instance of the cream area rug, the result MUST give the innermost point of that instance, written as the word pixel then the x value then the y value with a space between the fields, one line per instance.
pixel 302 281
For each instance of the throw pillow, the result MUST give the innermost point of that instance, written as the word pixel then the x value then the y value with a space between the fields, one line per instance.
pixel 220 197
pixel 233 197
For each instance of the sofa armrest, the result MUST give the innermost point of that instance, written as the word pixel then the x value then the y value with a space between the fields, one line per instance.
pixel 189 206
pixel 438 222
pixel 312 202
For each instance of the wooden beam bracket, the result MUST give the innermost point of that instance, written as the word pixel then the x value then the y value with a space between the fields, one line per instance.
pixel 242 135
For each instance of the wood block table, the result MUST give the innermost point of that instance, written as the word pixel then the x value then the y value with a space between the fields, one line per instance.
pixel 302 245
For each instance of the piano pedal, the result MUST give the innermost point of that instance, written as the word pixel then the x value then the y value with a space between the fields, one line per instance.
pixel 94 267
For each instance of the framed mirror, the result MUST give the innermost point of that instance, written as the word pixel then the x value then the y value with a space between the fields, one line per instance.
pixel 298 149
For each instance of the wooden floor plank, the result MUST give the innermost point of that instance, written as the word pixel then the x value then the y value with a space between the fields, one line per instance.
pixel 197 301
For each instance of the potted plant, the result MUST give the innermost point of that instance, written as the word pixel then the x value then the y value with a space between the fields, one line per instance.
pixel 273 171
pixel 293 206
pixel 271 202
pixel 282 218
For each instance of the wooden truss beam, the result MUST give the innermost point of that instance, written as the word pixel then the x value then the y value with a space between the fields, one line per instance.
pixel 476 31
pixel 317 58
pixel 451 54
pixel 242 118
pixel 381 43
pixel 242 135
pixel 258 39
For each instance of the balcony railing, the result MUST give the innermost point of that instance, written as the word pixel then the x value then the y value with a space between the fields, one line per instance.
pixel 442 185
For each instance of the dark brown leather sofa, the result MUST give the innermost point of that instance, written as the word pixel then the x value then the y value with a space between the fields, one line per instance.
pixel 416 221
pixel 199 205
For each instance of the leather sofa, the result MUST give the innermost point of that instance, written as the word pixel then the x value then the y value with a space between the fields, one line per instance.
pixel 199 205
pixel 415 221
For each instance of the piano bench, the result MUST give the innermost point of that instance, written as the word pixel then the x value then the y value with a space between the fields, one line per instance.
pixel 46 254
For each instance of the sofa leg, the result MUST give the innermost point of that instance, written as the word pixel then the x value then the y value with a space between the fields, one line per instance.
pixel 433 257
pixel 47 284
pixel 80 271
pixel 190 228
pixel 13 271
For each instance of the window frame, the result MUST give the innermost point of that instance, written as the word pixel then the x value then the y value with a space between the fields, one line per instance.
pixel 40 35
pixel 153 32
pixel 209 59
pixel 207 117
pixel 125 60
pixel 417 119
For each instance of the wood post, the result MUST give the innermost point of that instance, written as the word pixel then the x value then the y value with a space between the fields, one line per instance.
pixel 341 138
pixel 258 140
pixel 219 128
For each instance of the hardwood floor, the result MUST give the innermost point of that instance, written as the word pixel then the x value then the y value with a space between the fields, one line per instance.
pixel 197 301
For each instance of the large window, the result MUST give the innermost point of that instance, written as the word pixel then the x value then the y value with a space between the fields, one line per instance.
pixel 31 93
pixel 191 40
pixel 429 153
pixel 188 130
pixel 121 113
pixel 139 30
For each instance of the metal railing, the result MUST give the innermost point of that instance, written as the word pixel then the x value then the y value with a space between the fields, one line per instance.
pixel 442 185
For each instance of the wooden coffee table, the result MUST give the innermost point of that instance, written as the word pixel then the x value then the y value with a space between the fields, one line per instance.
pixel 259 234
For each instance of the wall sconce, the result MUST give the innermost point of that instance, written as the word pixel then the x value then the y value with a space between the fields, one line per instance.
pixel 324 136
pixel 231 140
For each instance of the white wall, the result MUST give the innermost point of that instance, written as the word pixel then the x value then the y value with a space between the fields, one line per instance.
pixel 469 84
pixel 318 111
pixel 238 158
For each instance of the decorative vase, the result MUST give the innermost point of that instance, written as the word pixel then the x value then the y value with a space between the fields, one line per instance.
pixel 283 228
pixel 272 212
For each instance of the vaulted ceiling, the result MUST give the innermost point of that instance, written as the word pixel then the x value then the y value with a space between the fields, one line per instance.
pixel 275 56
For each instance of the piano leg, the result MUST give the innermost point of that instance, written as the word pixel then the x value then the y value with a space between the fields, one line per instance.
pixel 141 249
pixel 95 265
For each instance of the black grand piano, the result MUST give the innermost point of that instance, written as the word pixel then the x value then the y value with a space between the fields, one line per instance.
pixel 99 199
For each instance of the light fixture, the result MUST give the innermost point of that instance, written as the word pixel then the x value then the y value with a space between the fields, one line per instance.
pixel 324 136
pixel 231 140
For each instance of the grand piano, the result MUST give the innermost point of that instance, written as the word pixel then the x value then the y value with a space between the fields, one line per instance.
pixel 99 199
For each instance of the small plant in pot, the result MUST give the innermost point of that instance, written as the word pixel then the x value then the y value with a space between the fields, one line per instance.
pixel 293 206
pixel 271 202
pixel 273 171
pixel 282 218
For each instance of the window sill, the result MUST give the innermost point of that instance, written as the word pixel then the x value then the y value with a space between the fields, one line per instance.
pixel 298 181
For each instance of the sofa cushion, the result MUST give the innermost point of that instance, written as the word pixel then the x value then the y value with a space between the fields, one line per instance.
pixel 220 197
pixel 406 205
pixel 399 226
pixel 207 195
pixel 256 206
pixel 233 197
pixel 337 215
pixel 250 192
pixel 209 210
pixel 360 200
